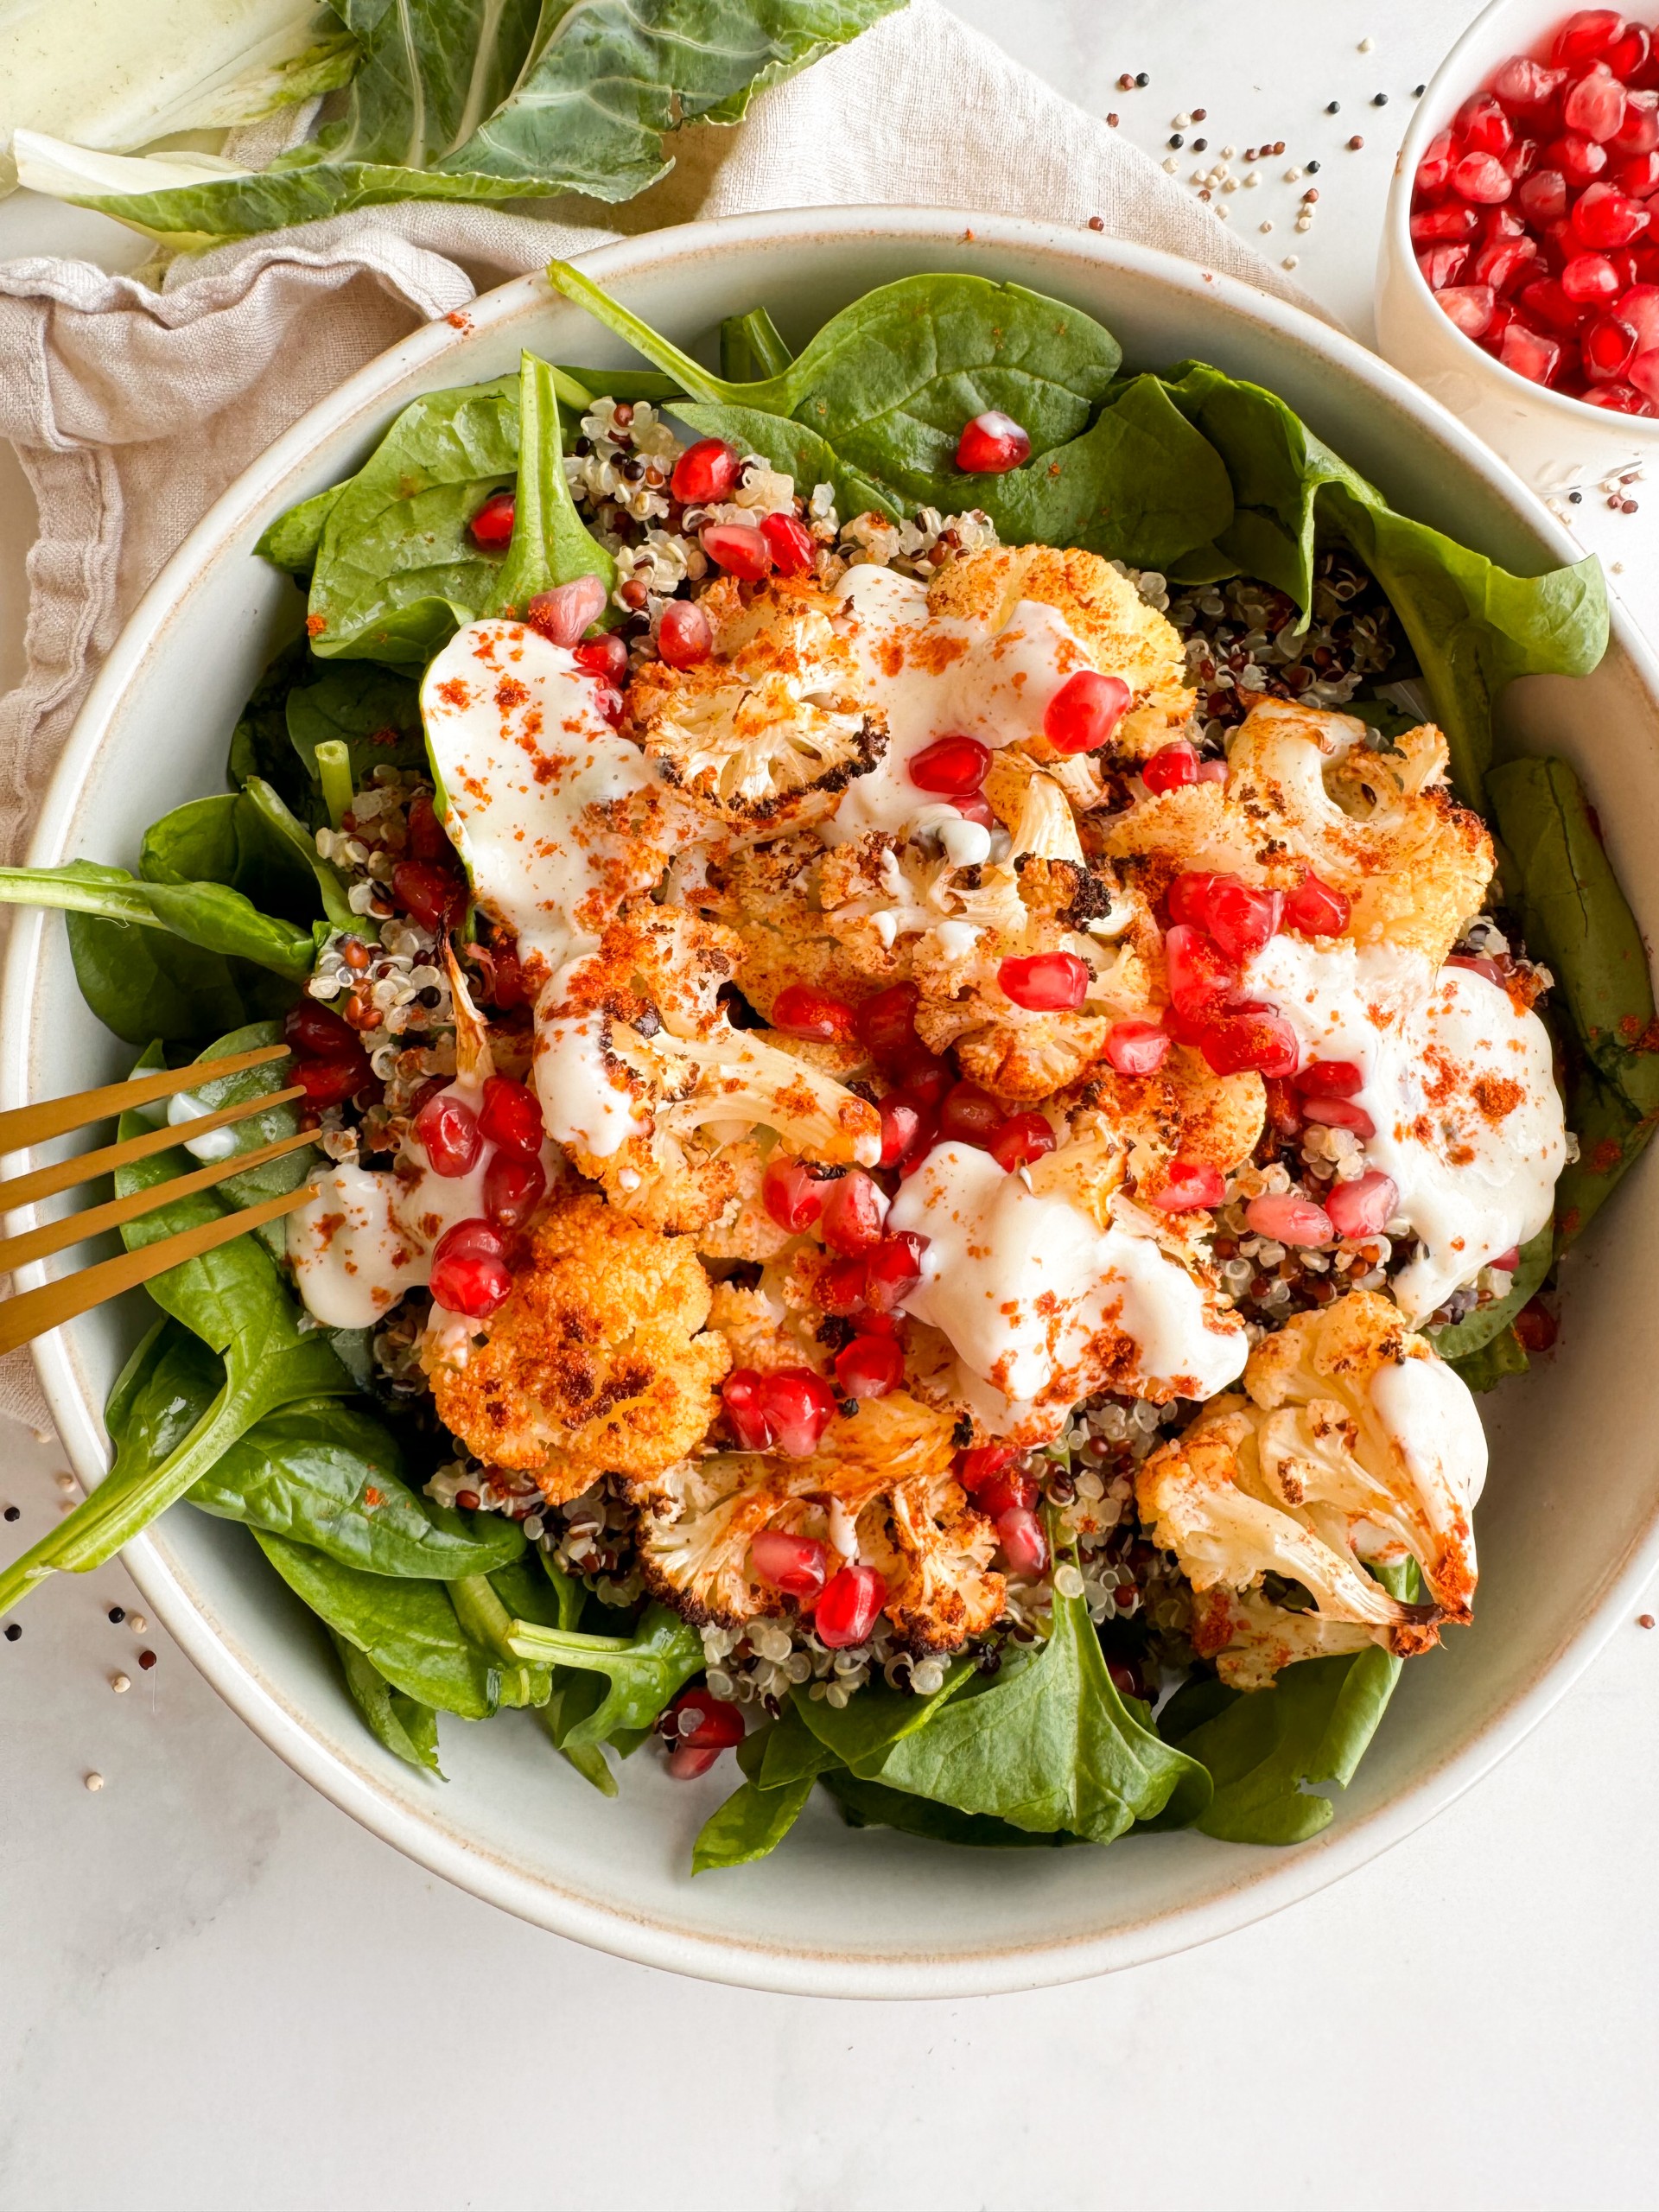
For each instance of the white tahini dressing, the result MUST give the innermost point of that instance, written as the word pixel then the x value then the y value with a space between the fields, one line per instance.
pixel 1037 1302
pixel 1458 1083
pixel 1431 1416
pixel 941 676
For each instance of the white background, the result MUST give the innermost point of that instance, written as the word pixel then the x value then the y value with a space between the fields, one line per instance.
pixel 218 1991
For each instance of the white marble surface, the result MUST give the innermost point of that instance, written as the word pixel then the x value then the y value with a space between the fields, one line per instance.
pixel 217 1992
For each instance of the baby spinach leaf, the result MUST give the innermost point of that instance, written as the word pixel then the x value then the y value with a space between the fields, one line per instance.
pixel 374 712
pixel 795 450
pixel 1577 921
pixel 259 744
pixel 550 545
pixel 1050 1745
pixel 331 1476
pixel 862 1732
pixel 870 1805
pixel 1472 624
pixel 644 1669
pixel 751 1823
pixel 1485 1367
pixel 1265 1750
pixel 295 539
pixel 144 983
pixel 750 348
pixel 1463 1337
pixel 396 571
pixel 490 100
pixel 486 1620
pixel 406 1727
pixel 209 915
pixel 407 1629
pixel 240 839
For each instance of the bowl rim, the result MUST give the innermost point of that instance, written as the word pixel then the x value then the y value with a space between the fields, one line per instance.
pixel 1453 77
pixel 1266 1881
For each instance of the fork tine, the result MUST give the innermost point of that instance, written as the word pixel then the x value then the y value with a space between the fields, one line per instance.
pixel 75 1227
pixel 33 1313
pixel 84 1166
pixel 55 1117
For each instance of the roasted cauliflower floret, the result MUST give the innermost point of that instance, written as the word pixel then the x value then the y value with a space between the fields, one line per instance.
pixel 1250 1639
pixel 1120 1129
pixel 879 1487
pixel 599 1361
pixel 1118 632
pixel 1304 790
pixel 767 896
pixel 775 724
pixel 1352 1441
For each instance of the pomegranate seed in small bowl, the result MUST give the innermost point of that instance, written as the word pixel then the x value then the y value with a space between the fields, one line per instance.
pixel 992 444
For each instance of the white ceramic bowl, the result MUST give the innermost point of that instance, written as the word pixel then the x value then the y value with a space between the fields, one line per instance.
pixel 1567 1528
pixel 1555 441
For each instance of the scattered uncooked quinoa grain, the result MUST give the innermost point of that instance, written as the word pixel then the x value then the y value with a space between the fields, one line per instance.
pixel 117 1614
pixel 94 1781
pixel 146 1660
pixel 119 1682
pixel 1644 1620
pixel 64 1482
pixel 137 1624
pixel 13 1631
pixel 14 1513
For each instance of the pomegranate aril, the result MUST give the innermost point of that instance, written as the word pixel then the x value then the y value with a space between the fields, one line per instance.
pixel 976 1466
pixel 922 1071
pixel 433 896
pixel 1262 1042
pixel 470 1275
pixel 1200 977
pixel 1638 130
pixel 716 1723
pixel 1435 170
pixel 885 1024
pixel 1365 1206
pixel 605 658
pixel 1507 1262
pixel 1188 896
pixel 1505 262
pixel 1545 301
pixel 447 1130
pixel 562 614
pixel 1585 35
pixel 795 1564
pixel 1290 1220
pixel 1639 306
pixel 1429 226
pixel 1332 1078
pixel 1542 196
pixel 850 1608
pixel 1482 125
pixel 953 766
pixel 1442 266
pixel 969 1115
pixel 1136 1047
pixel 1171 767
pixel 1188 1184
pixel 892 1270
pixel 841 1288
pixel 1579 160
pixel 1006 1490
pixel 683 637
pixel 1604 217
pixel 1045 982
pixel 1594 104
pixel 798 1406
pixel 514 1188
pixel 1481 179
pixel 1530 353
pixel 799 1011
pixel 1521 159
pixel 854 1210
pixel 1629 54
pixel 331 1082
pixel 1085 710
pixel 1316 908
pixel 1640 177
pixel 1644 377
pixel 992 444
pixel 685 1764
pixel 510 1115
pixel 1022 1139
pixel 1024 1544
pixel 745 1413
pixel 491 526
pixel 791 1194
pixel 1240 918
pixel 1340 1113
pixel 315 1029
pixel 791 544
pixel 976 807
pixel 705 472
pixel 869 1367
pixel 907 1122
pixel 1477 965
pixel 1606 346
pixel 1522 83
pixel 738 548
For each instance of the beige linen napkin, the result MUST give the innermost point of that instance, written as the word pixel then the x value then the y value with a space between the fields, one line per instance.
pixel 133 407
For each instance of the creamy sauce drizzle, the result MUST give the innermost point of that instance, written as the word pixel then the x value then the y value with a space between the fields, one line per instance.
pixel 1031 1294
pixel 1469 1123
pixel 1434 1420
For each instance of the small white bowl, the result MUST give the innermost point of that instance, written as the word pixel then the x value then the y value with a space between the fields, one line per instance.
pixel 1552 441
pixel 1569 1528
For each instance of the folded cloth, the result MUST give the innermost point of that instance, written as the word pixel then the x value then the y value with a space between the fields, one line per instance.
pixel 133 405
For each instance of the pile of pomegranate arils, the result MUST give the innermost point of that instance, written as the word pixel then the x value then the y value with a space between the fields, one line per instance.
pixel 1536 216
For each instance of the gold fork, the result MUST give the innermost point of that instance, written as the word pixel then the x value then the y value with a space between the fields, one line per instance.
pixel 32 1312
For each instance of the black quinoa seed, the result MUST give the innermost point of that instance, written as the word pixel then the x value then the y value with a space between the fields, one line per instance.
pixel 117 1614
pixel 1417 90
pixel 1199 145
pixel 1176 143
pixel 1142 77
pixel 1335 108
pixel 13 1631
pixel 1312 168
pixel 14 1513
pixel 1379 99
pixel 1574 498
